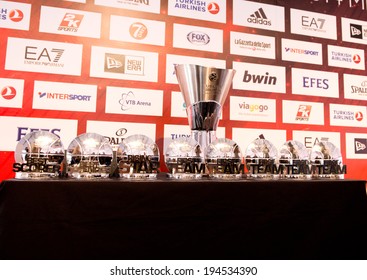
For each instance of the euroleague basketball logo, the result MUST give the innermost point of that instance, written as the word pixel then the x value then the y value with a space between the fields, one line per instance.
pixel 16 15
pixel 8 92
pixel 213 8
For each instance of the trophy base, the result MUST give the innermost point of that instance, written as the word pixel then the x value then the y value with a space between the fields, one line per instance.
pixel 87 175
pixel 184 176
pixel 139 175
pixel 35 175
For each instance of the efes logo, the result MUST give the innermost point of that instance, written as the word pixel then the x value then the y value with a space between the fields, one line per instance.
pixel 71 22
pixel 360 146
pixel 138 31
pixel 259 17
pixel 198 38
pixel 8 92
pixel 124 64
pixel 303 112
pixel 213 8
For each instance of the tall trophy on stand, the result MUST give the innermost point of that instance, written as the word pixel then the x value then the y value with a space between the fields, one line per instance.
pixel 204 90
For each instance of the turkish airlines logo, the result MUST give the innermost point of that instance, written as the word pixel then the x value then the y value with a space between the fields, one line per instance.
pixel 303 112
pixel 16 15
pixel 138 31
pixel 358 116
pixel 213 8
pixel 360 146
pixel 8 92
pixel 71 22
pixel 356 58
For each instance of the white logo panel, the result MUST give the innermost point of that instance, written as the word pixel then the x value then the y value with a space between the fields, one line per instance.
pixel 124 64
pixel 302 112
pixel 15 15
pixel 173 132
pixel 70 22
pixel 141 5
pixel 197 38
pixel 311 138
pixel 348 115
pixel 137 30
pixel 315 83
pixel 354 31
pixel 259 77
pixel 204 10
pixel 346 57
pixel 115 132
pixel 301 51
pixel 12 91
pixel 178 105
pixel 258 15
pixel 356 145
pixel 172 60
pixel 252 45
pixel 245 136
pixel 355 87
pixel 134 101
pixel 16 128
pixel 252 109
pixel 313 24
pixel 64 96
pixel 43 56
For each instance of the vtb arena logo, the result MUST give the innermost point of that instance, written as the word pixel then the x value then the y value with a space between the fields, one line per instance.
pixel 14 15
pixel 8 92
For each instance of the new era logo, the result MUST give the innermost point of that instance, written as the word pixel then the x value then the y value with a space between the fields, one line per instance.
pixel 360 146
pixel 356 31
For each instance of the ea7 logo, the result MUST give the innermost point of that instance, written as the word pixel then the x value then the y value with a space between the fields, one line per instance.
pixel 303 113
pixel 317 23
pixel 71 22
pixel 34 53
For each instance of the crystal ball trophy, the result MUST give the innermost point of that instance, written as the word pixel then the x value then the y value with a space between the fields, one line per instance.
pixel 326 161
pixel 38 155
pixel 184 159
pixel 261 159
pixel 204 90
pixel 223 158
pixel 89 156
pixel 294 160
pixel 138 157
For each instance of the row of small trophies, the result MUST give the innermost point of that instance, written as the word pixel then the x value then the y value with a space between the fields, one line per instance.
pixel 41 154
pixel 204 89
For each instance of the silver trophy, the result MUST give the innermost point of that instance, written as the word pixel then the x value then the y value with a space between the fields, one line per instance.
pixel 204 90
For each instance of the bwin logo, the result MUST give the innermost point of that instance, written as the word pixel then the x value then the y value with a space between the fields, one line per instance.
pixel 259 79
pixel 198 38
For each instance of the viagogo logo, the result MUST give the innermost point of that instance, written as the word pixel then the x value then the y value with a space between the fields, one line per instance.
pixel 253 107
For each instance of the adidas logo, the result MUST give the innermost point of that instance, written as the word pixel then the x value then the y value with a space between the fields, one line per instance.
pixel 259 17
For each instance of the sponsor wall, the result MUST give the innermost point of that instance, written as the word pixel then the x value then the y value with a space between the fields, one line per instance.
pixel 107 66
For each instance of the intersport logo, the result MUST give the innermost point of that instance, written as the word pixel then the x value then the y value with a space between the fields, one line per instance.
pixel 43 56
pixel 14 15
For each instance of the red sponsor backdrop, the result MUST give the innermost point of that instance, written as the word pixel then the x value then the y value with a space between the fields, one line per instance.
pixel 357 168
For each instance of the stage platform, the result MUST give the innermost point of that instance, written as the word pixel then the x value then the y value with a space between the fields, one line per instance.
pixel 170 219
